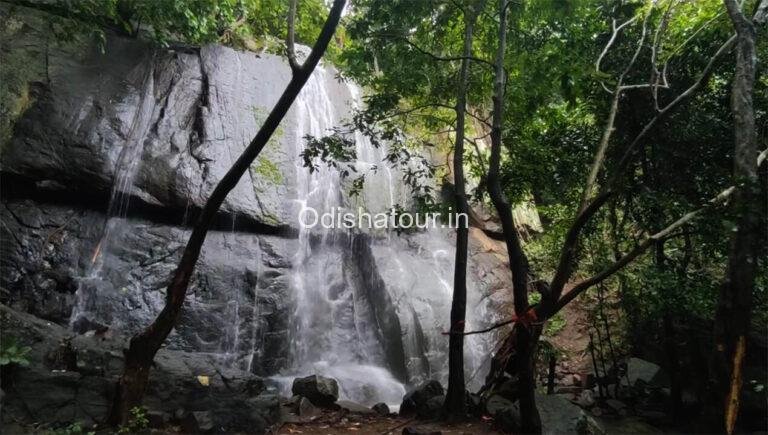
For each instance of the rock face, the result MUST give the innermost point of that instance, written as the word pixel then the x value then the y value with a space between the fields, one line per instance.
pixel 49 246
pixel 192 385
pixel 319 390
pixel 107 159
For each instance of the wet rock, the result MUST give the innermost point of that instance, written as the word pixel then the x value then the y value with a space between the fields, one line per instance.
pixel 305 408
pixel 321 391
pixel 381 408
pixel 432 409
pixel 415 402
pixel 354 407
pixel 43 395
pixel 136 264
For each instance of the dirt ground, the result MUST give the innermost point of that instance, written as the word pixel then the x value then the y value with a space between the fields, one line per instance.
pixel 338 423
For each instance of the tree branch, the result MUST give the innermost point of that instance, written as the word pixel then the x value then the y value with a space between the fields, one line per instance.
pixel 433 55
pixel 665 233
pixel 291 36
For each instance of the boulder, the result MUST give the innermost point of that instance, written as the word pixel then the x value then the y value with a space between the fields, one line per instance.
pixel 558 415
pixel 415 402
pixel 353 407
pixel 321 391
pixel 431 409
pixel 381 408
pixel 305 408
pixel 505 413
pixel 204 420
pixel 645 372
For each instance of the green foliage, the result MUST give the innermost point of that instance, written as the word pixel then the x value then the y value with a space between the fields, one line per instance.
pixel 555 112
pixel 247 24
pixel 12 352
pixel 75 428
pixel 137 423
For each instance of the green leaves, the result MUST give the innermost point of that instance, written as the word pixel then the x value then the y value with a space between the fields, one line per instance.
pixel 249 24
pixel 11 352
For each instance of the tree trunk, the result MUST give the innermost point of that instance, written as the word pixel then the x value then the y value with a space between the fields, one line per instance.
pixel 732 318
pixel 525 340
pixel 455 401
pixel 143 346
pixel 669 342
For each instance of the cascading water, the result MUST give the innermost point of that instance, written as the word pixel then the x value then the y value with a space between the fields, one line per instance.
pixel 368 307
pixel 341 312
pixel 85 313
pixel 330 335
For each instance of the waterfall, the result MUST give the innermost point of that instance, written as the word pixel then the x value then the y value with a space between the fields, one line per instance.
pixel 348 292
pixel 367 308
pixel 86 311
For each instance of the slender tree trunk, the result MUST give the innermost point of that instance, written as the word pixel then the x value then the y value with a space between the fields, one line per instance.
pixel 734 306
pixel 455 400
pixel 526 338
pixel 143 346
pixel 669 342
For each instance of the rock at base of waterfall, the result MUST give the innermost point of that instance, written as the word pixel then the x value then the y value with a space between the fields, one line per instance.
pixel 305 408
pixel 235 400
pixel 558 414
pixel 381 408
pixel 474 404
pixel 505 413
pixel 321 391
pixel 353 407
pixel 432 409
pixel 415 402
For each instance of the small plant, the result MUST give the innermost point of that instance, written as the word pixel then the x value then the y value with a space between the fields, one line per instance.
pixel 75 428
pixel 11 352
pixel 138 422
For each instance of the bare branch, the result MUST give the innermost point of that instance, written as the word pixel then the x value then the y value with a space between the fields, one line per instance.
pixel 290 38
pixel 614 34
pixel 656 75
pixel 703 79
pixel 608 130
